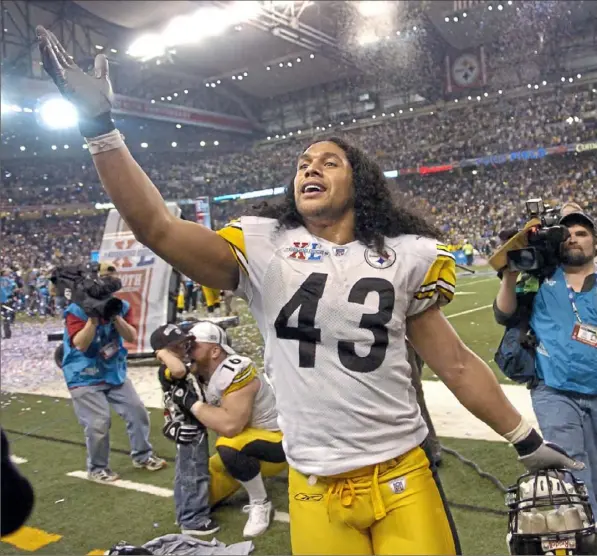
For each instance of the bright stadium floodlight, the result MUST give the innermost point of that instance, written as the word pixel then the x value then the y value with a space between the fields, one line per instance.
pixel 147 47
pixel 58 113
pixel 367 38
pixel 373 9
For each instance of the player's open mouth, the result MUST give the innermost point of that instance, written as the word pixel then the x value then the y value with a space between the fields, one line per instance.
pixel 312 188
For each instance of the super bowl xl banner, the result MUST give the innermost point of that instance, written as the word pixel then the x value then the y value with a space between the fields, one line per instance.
pixel 202 212
pixel 145 277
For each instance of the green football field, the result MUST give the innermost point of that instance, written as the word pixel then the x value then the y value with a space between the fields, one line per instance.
pixel 74 516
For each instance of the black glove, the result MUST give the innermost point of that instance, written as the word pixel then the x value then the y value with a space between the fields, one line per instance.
pixel 91 95
pixel 184 395
pixel 535 454
pixel 180 432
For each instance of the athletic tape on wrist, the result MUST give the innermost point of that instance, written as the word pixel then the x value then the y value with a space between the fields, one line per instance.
pixel 104 143
pixel 520 432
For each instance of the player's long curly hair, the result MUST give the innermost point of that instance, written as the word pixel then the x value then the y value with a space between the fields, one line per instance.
pixel 376 215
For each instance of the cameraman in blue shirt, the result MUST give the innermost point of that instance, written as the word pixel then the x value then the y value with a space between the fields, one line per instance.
pixel 7 288
pixel 564 321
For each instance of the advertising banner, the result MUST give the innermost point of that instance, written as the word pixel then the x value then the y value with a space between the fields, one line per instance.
pixel 145 277
pixel 202 212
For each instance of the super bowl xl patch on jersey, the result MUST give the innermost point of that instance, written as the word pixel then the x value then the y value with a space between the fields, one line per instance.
pixel 380 260
pixel 306 251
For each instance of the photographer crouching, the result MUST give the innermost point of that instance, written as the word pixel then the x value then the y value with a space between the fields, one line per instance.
pixel 95 367
pixel 555 307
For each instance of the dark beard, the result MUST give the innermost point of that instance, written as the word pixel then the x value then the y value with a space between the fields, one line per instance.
pixel 575 257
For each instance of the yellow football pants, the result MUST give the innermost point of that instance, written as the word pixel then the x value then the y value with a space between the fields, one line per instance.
pixel 392 508
pixel 212 297
pixel 222 484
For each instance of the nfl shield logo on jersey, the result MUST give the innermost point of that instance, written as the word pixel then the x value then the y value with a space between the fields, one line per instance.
pixel 380 260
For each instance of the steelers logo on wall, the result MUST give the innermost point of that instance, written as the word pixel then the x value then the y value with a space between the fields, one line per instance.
pixel 466 70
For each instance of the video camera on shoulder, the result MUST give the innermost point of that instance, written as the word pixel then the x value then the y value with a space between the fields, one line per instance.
pixel 92 291
pixel 542 256
pixel 535 250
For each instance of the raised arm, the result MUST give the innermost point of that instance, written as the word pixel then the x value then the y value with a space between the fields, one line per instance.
pixel 191 248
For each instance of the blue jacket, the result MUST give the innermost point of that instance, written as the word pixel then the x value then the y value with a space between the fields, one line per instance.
pixel 7 286
pixel 564 363
pixel 89 367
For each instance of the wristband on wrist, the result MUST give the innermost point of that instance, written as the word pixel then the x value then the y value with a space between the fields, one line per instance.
pixel 520 432
pixel 104 143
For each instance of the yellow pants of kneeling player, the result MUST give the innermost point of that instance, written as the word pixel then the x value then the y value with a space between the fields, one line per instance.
pixel 222 484
pixel 394 507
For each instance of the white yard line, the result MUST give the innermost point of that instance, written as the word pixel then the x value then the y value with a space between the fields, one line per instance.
pixel 129 485
pixel 474 282
pixel 284 517
pixel 157 491
pixel 470 311
pixel 17 460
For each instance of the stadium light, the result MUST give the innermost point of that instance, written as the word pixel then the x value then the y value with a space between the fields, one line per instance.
pixel 178 126
pixel 65 147
pixel 168 98
pixel 147 47
pixel 455 19
pixel 269 138
pixel 500 92
pixel 8 108
pixel 578 76
pixel 190 29
pixel 368 37
pixel 216 143
pixel 268 68
pixel 22 148
pixel 544 83
pixel 174 144
pixel 153 101
pixel 144 145
pixel 202 143
pixel 175 94
pixel 186 91
pixel 58 113
pixel 354 121
pixel 299 131
pixel 500 7
pixel 447 19
pixel 464 14
pixel 54 147
pixel 218 82
pixel 298 60
pixel 490 7
pixel 311 56
pixel 373 9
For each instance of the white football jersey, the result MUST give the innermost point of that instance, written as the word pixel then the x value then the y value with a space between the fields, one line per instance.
pixel 234 373
pixel 333 319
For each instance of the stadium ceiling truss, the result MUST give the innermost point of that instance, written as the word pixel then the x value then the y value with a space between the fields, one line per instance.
pixel 283 20
pixel 80 31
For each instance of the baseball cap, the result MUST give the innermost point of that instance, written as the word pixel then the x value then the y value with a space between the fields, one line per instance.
pixel 211 333
pixel 166 335
pixel 578 217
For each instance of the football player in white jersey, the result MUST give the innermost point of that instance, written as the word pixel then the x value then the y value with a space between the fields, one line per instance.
pixel 241 408
pixel 336 277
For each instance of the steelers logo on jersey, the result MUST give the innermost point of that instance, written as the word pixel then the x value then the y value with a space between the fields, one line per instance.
pixel 380 260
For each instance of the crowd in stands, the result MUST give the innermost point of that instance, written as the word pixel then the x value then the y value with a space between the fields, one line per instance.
pixel 465 204
pixel 461 130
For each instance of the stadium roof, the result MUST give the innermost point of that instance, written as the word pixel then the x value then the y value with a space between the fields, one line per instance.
pixel 281 35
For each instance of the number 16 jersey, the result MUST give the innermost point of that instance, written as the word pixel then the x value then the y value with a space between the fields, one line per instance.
pixel 333 319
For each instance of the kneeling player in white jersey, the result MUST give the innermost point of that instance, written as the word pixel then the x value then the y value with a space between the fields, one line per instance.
pixel 241 409
pixel 336 276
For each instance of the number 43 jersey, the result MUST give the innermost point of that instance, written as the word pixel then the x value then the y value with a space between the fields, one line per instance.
pixel 333 319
